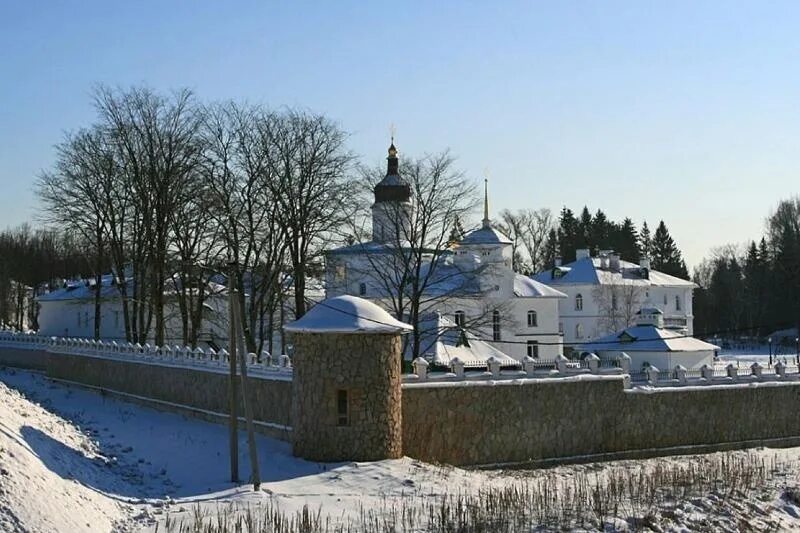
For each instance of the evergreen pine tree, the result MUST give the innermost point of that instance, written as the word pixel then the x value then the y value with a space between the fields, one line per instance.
pixel 626 241
pixel 567 235
pixel 585 229
pixel 645 242
pixel 665 254
pixel 600 235
pixel 550 251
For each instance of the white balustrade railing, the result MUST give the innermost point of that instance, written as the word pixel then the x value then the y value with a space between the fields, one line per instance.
pixel 198 358
pixel 592 365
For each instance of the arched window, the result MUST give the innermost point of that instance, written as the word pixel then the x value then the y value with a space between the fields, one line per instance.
pixel 533 320
pixel 578 331
pixel 459 317
pixel 579 302
pixel 496 326
pixel 677 302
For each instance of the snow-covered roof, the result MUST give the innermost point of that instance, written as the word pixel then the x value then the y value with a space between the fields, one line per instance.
pixel 370 247
pixel 587 271
pixel 526 287
pixel 485 235
pixel 442 340
pixel 81 290
pixel 347 314
pixel 647 339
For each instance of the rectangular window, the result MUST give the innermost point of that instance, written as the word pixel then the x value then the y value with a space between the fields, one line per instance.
pixel 79 319
pixel 532 319
pixel 496 326
pixel 459 316
pixel 116 319
pixel 342 408
pixel 533 349
pixel 362 289
pixel 677 303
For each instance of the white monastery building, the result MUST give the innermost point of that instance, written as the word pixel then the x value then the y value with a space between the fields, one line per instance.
pixel 647 343
pixel 605 293
pixel 474 286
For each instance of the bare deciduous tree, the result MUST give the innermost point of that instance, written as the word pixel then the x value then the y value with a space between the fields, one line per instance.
pixel 617 304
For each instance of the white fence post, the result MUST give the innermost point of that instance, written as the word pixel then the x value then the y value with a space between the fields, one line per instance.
pixel 561 364
pixel 593 362
pixel 420 368
pixel 707 372
pixel 680 374
pixel 457 367
pixel 624 361
pixel 528 365
pixel 732 371
pixel 756 369
pixel 652 374
pixel 493 364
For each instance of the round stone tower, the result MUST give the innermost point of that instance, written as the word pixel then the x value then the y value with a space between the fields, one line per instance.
pixel 346 397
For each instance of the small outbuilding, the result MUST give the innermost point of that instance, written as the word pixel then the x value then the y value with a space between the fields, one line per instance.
pixel 648 343
pixel 346 387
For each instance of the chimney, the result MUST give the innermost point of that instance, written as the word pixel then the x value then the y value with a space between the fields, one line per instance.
pixel 613 262
pixel 582 253
pixel 644 267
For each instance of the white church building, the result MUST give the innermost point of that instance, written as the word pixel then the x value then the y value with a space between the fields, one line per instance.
pixel 605 293
pixel 474 285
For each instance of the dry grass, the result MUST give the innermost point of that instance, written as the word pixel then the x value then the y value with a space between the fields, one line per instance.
pixel 641 495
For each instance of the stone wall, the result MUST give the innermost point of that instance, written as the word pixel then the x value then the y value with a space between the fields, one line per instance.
pixel 367 367
pixel 32 359
pixel 200 389
pixel 536 420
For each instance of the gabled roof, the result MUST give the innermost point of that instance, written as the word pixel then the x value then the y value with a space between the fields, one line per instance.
pixel 525 287
pixel 646 339
pixel 587 271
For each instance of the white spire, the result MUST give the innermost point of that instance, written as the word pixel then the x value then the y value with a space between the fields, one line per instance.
pixel 486 221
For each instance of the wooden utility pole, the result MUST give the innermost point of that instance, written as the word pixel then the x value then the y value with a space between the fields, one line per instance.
pixel 248 412
pixel 233 407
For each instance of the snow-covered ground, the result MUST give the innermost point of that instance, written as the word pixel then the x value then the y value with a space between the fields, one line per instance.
pixel 75 460
pixel 746 355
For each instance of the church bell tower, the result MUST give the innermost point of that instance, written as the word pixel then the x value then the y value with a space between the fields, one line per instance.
pixel 391 212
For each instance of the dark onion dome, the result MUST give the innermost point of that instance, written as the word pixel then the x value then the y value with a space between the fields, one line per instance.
pixel 392 188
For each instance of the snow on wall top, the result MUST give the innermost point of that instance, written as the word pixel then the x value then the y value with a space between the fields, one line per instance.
pixel 347 314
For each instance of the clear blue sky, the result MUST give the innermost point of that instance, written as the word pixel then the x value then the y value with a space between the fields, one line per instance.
pixel 686 111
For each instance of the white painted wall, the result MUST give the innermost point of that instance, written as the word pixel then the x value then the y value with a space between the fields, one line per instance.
pixel 591 319
pixel 663 360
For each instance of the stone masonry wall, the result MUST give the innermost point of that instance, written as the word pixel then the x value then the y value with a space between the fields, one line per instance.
pixel 24 358
pixel 368 368
pixel 533 420
pixel 270 399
